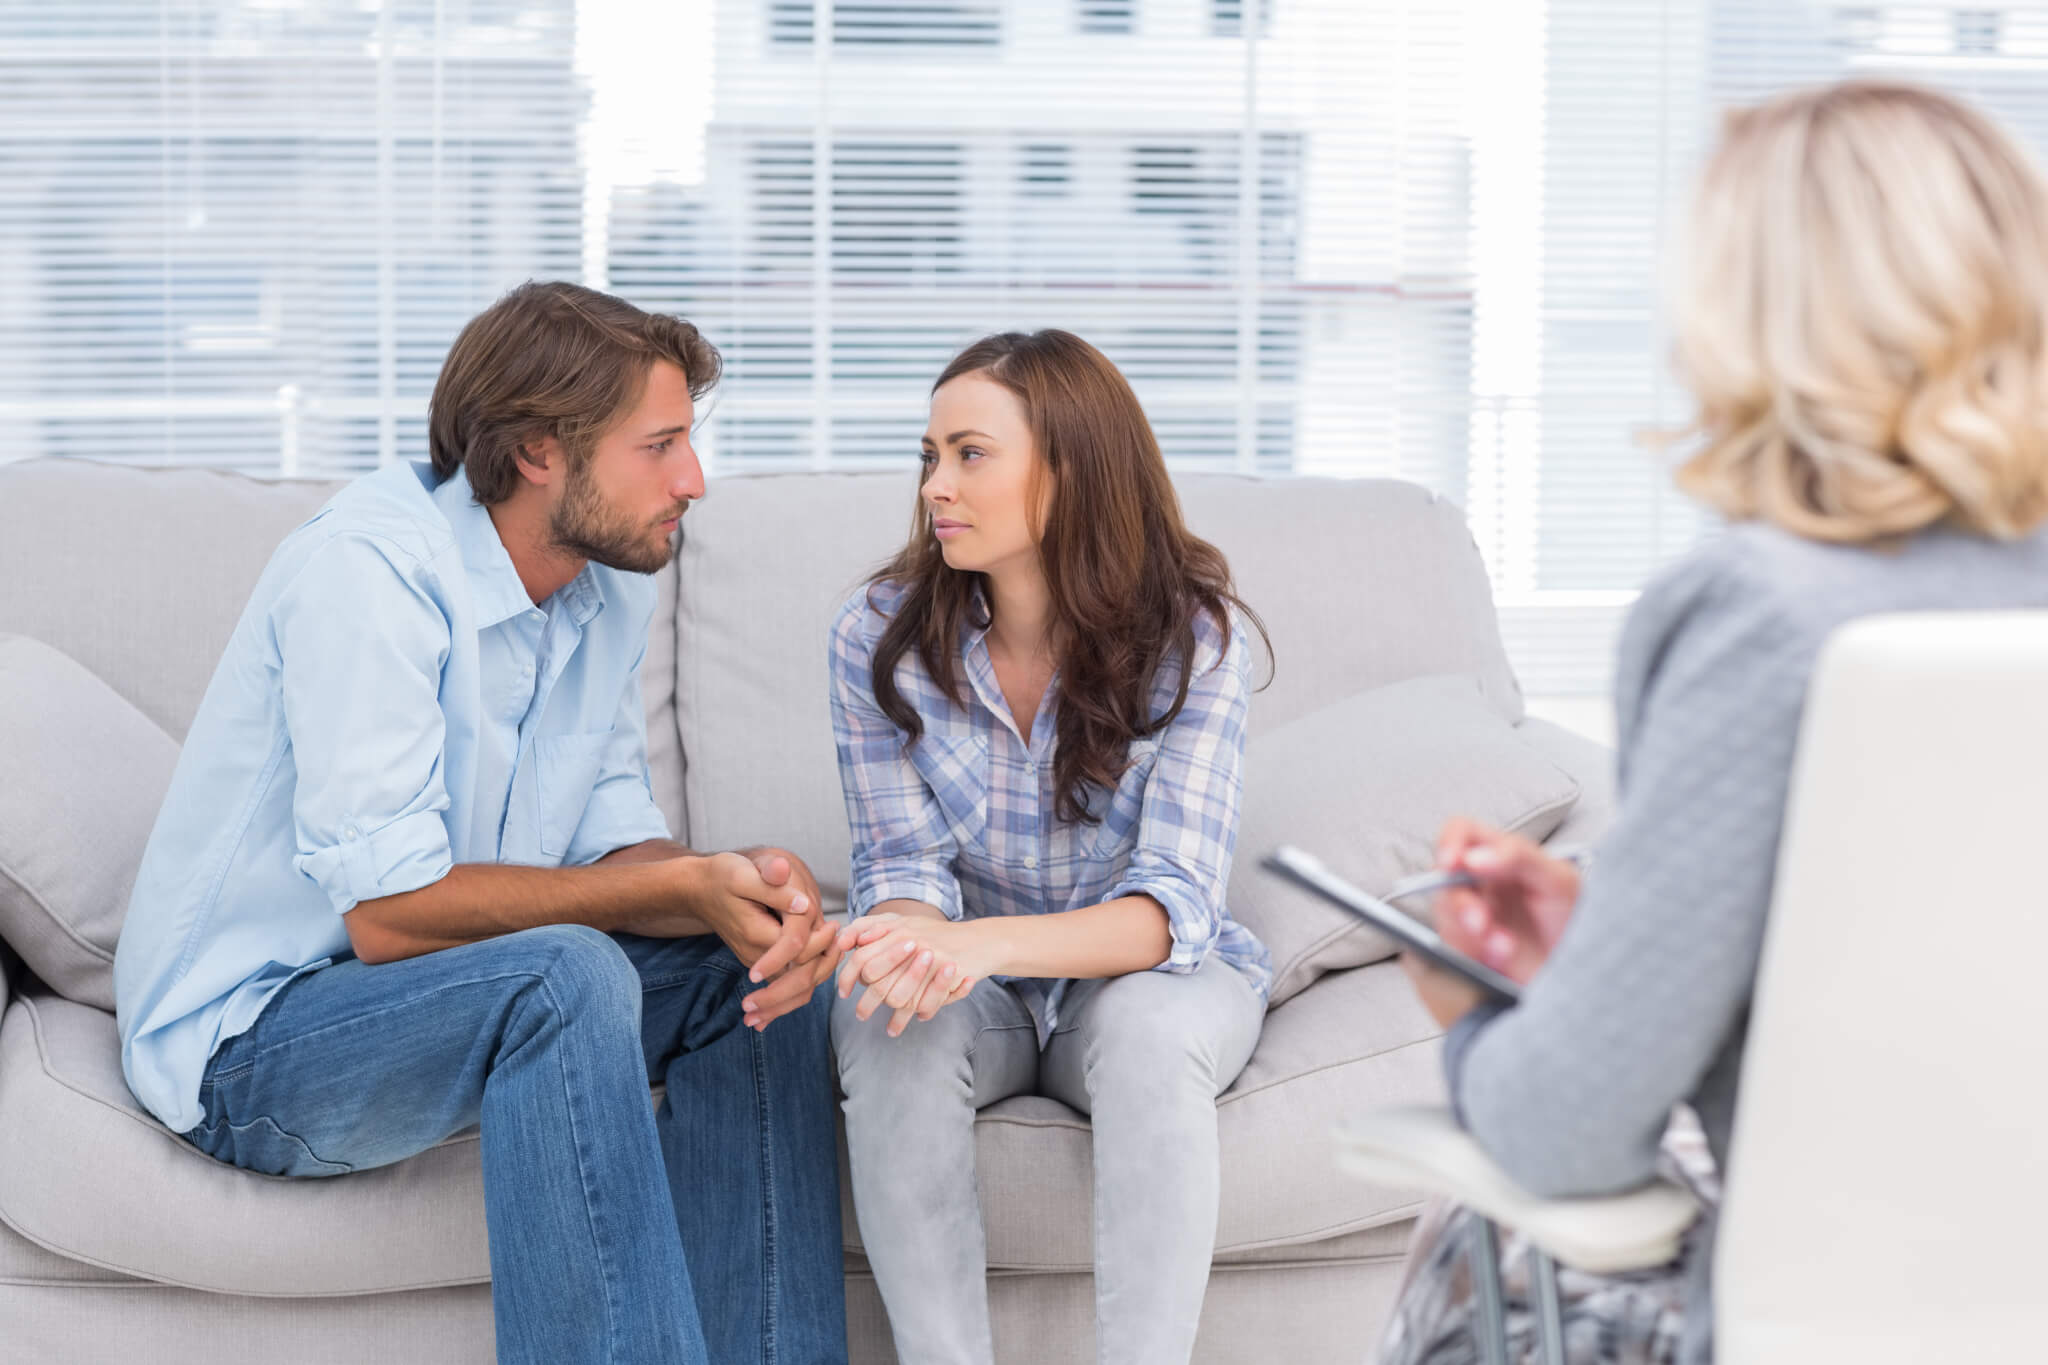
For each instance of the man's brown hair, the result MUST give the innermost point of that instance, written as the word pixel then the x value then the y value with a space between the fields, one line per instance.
pixel 550 359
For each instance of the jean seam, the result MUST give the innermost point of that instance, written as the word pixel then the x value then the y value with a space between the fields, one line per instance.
pixel 341 1167
pixel 233 1073
pixel 576 1136
pixel 771 1281
pixel 975 1041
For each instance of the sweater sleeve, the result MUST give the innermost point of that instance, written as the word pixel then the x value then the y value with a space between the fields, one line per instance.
pixel 1571 1091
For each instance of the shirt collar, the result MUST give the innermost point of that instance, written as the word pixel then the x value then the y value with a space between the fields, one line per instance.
pixel 981 669
pixel 975 629
pixel 580 595
pixel 494 584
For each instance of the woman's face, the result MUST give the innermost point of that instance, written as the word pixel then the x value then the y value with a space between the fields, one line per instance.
pixel 980 463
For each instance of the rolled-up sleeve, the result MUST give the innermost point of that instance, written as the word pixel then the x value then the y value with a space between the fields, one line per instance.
pixel 622 811
pixel 903 848
pixel 1187 827
pixel 361 644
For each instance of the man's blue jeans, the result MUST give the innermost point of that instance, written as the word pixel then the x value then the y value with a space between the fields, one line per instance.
pixel 705 1231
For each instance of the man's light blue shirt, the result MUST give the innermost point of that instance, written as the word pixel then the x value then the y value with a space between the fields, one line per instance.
pixel 390 704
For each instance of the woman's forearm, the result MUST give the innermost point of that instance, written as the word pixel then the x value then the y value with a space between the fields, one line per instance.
pixel 1128 934
pixel 921 909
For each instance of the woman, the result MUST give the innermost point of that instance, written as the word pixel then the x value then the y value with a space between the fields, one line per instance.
pixel 1862 324
pixel 1040 711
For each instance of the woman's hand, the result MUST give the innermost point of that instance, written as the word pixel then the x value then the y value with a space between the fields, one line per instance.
pixel 912 965
pixel 1448 998
pixel 1516 911
pixel 1510 919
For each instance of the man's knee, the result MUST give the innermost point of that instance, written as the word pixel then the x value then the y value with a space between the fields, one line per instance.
pixel 582 975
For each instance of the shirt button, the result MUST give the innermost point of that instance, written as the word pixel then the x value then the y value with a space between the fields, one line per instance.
pixel 350 833
pixel 1031 860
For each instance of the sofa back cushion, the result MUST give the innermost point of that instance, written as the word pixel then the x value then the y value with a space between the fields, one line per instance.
pixel 140 575
pixel 1366 785
pixel 1361 582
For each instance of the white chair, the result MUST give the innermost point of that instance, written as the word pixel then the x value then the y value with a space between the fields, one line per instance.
pixel 1887 1194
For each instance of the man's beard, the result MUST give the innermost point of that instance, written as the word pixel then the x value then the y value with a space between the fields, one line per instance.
pixel 585 526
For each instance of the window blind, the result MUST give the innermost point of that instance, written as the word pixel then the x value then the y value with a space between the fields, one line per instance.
pixel 244 234
pixel 1410 239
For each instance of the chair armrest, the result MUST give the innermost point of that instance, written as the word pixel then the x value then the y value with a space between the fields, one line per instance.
pixel 1423 1147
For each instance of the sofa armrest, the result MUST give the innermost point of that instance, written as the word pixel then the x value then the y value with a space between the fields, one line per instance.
pixel 1423 1147
pixel 1588 761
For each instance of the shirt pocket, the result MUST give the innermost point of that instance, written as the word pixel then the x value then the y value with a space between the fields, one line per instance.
pixel 566 769
pixel 1125 808
pixel 954 769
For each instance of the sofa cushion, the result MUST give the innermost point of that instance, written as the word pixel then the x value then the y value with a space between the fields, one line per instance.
pixel 167 591
pixel 79 1148
pixel 92 1176
pixel 24 1262
pixel 1362 582
pixel 94 1324
pixel 86 773
pixel 1366 785
pixel 148 610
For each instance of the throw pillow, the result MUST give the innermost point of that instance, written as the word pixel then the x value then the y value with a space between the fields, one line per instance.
pixel 1366 784
pixel 85 773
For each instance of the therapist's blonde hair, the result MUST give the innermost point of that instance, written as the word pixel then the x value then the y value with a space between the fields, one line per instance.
pixel 1863 319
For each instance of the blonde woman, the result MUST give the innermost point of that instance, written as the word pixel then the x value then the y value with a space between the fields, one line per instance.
pixel 1861 321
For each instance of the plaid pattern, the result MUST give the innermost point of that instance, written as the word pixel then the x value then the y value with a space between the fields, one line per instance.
pixel 963 819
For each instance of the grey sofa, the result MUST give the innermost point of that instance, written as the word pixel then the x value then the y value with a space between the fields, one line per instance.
pixel 117 1241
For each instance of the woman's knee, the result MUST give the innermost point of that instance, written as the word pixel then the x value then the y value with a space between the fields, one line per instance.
pixel 1151 1062
pixel 928 1053
pixel 1147 1033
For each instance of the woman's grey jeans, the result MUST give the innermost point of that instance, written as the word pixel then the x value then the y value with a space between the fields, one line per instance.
pixel 1143 1055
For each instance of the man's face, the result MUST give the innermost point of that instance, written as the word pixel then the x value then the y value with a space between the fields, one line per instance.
pixel 622 505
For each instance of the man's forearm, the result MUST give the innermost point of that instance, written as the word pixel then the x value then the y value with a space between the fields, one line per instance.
pixel 656 851
pixel 646 851
pixel 644 888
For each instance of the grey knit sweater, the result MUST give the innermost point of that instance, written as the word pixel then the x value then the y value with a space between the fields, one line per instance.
pixel 1645 1001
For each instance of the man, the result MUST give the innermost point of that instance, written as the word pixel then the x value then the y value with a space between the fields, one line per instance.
pixel 410 876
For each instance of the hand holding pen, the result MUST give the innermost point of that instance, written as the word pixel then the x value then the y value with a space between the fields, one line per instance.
pixel 1501 898
pixel 1427 883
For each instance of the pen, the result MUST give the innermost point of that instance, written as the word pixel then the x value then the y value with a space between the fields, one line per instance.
pixel 1424 882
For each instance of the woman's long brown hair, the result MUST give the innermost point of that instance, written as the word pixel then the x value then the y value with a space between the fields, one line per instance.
pixel 1125 575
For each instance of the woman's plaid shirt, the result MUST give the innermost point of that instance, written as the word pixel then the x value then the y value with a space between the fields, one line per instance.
pixel 963 819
